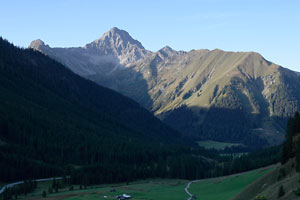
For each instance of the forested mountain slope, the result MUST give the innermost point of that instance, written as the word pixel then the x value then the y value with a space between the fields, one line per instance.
pixel 53 121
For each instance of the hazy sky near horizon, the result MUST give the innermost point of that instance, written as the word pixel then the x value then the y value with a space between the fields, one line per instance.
pixel 270 27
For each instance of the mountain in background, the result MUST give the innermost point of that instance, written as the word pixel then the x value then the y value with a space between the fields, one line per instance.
pixel 54 122
pixel 218 95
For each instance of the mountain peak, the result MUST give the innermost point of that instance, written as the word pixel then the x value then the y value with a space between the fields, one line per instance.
pixel 167 51
pixel 120 44
pixel 115 37
pixel 115 29
pixel 36 44
pixel 115 32
pixel 167 48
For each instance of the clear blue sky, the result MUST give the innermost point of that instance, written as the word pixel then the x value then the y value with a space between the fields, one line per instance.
pixel 270 27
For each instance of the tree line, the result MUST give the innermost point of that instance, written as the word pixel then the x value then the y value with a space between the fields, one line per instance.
pixel 291 146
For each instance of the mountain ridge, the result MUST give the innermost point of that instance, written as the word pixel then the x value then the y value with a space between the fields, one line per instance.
pixel 197 82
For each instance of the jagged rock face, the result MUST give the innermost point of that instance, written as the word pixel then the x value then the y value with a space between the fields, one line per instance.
pixel 115 49
pixel 115 41
pixel 189 90
pixel 120 44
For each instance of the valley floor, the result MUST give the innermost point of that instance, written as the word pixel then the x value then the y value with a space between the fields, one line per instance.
pixel 224 188
pixel 151 189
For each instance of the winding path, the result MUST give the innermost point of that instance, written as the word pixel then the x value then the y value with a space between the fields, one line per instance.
pixel 191 196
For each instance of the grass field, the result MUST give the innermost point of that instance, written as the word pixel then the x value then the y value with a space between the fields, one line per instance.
pixel 225 188
pixel 158 189
pixel 209 144
pixel 152 189
pixel 164 190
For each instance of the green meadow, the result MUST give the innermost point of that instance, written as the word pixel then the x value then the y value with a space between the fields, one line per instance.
pixel 209 144
pixel 225 188
pixel 164 189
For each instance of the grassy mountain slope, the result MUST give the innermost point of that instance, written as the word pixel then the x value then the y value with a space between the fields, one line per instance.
pixel 238 89
pixel 268 185
pixel 226 187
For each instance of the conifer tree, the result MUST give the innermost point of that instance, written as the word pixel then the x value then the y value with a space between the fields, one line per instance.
pixel 281 191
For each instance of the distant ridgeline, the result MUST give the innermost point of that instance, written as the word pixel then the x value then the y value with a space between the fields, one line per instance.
pixel 291 146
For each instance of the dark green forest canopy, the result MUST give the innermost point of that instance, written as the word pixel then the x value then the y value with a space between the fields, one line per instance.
pixel 291 146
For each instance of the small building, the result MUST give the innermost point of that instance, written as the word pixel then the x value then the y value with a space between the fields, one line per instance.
pixel 123 197
pixel 126 196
